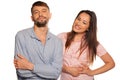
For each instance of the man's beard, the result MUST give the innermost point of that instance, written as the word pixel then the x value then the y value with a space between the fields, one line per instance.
pixel 40 24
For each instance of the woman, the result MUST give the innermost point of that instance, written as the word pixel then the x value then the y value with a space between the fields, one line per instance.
pixel 81 47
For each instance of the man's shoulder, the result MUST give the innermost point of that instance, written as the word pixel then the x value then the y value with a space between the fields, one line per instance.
pixel 53 36
pixel 23 32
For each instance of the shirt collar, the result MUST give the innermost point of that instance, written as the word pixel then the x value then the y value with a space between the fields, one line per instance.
pixel 35 37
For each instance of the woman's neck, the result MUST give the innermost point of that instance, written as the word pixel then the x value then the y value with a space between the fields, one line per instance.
pixel 78 37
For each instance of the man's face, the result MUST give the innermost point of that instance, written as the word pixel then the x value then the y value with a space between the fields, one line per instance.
pixel 40 16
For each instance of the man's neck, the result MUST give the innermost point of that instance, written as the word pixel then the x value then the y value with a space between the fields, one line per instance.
pixel 41 33
pixel 41 30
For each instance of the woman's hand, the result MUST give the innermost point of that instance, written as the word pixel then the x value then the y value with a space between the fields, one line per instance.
pixel 74 71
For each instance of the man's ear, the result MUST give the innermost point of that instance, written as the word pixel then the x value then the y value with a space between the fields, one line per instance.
pixel 50 15
pixel 32 18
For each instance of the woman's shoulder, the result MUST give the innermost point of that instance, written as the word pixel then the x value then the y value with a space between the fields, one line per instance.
pixel 101 50
pixel 62 35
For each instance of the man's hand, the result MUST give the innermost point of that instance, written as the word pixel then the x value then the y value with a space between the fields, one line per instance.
pixel 23 63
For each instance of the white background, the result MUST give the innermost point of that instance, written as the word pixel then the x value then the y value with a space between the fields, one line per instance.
pixel 15 15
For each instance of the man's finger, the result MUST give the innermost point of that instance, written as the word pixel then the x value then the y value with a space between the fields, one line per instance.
pixel 20 56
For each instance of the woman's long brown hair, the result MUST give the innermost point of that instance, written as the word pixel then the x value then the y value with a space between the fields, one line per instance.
pixel 90 39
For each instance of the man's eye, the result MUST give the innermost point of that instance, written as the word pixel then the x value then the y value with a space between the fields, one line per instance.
pixel 84 23
pixel 44 11
pixel 36 12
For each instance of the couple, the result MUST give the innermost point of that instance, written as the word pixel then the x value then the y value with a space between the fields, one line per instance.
pixel 40 55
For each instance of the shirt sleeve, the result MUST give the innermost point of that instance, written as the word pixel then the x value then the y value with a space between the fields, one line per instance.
pixel 53 69
pixel 101 50
pixel 19 49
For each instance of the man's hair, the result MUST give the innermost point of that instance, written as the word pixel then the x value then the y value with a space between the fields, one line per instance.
pixel 39 3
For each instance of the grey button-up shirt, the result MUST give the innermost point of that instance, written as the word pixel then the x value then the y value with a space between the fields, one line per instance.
pixel 47 59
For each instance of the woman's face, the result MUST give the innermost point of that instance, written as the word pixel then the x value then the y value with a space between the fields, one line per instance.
pixel 81 23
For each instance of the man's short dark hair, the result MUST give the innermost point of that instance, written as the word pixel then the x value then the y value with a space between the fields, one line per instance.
pixel 39 3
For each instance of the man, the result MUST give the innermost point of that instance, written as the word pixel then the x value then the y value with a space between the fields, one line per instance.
pixel 38 53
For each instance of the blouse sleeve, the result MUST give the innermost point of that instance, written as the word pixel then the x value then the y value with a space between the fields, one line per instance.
pixel 101 50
